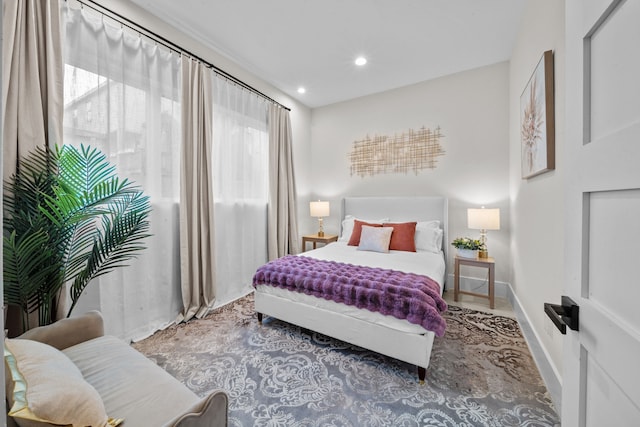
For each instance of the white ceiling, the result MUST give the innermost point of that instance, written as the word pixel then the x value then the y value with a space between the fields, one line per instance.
pixel 313 43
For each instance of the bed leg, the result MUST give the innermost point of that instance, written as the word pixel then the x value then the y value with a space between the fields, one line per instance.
pixel 422 373
pixel 259 317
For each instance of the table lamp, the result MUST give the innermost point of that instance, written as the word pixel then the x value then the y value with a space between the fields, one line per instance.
pixel 319 209
pixel 483 220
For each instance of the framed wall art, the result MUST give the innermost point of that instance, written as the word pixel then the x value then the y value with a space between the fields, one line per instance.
pixel 537 124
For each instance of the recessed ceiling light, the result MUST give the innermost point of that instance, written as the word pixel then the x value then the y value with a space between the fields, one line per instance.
pixel 301 90
pixel 361 60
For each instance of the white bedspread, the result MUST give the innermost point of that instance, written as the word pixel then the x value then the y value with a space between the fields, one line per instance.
pixel 424 263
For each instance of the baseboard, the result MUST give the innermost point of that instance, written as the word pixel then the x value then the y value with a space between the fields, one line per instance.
pixel 547 369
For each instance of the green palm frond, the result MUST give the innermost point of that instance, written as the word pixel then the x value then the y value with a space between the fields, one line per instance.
pixel 84 169
pixel 91 222
pixel 31 260
pixel 120 240
pixel 28 272
pixel 25 190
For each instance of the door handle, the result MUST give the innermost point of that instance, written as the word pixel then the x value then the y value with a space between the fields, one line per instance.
pixel 564 315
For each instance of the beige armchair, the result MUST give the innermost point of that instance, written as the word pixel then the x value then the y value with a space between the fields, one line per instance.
pixel 130 386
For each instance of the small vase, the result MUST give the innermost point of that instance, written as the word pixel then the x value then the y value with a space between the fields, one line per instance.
pixel 467 253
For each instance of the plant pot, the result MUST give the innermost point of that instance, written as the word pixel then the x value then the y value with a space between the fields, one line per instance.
pixel 467 253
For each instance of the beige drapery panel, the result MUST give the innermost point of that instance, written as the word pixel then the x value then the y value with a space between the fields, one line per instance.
pixel 32 72
pixel 32 88
pixel 197 243
pixel 282 225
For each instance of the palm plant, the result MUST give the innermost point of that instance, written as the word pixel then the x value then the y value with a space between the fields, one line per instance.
pixel 68 219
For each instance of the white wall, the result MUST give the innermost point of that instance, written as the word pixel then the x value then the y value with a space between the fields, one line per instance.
pixel 471 109
pixel 537 203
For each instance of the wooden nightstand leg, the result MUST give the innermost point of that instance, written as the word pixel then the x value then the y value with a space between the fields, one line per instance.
pixel 491 286
pixel 456 281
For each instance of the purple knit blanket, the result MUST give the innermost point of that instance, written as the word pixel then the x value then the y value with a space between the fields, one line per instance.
pixel 409 296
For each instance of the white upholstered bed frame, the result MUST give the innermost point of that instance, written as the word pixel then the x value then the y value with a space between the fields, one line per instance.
pixel 408 347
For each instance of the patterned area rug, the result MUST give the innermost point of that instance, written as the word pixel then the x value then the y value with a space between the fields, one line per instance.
pixel 481 374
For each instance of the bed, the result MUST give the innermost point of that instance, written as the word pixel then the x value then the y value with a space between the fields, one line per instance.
pixel 397 338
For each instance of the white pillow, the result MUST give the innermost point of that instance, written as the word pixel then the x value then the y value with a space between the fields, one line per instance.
pixel 347 226
pixel 49 389
pixel 429 224
pixel 428 236
pixel 375 239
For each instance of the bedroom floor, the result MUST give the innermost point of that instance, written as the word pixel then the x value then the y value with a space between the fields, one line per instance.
pixel 504 308
pixel 502 305
pixel 481 372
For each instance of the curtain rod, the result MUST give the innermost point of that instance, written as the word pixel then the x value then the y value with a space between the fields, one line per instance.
pixel 172 46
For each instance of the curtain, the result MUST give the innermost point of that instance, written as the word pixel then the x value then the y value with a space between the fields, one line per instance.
pixel 197 232
pixel 122 95
pixel 282 218
pixel 31 88
pixel 32 78
pixel 240 163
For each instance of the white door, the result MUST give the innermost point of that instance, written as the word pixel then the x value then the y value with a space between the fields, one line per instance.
pixel 601 365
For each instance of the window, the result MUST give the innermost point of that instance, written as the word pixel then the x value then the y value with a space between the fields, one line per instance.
pixel 122 97
pixel 240 187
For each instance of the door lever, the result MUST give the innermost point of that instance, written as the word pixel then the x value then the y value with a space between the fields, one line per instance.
pixel 564 315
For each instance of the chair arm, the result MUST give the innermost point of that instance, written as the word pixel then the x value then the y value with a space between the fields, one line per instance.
pixel 68 332
pixel 210 411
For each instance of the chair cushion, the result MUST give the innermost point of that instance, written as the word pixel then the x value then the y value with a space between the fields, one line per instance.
pixel 131 386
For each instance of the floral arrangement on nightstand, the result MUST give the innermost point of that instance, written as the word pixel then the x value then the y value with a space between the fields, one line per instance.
pixel 467 243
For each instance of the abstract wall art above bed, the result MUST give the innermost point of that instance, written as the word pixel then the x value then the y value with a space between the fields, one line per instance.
pixel 410 151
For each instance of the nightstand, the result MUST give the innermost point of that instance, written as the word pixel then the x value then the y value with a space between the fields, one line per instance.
pixel 488 263
pixel 315 239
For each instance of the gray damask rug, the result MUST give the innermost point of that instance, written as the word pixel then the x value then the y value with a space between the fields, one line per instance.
pixel 481 374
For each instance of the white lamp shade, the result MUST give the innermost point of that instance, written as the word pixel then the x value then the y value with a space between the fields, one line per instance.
pixel 319 209
pixel 483 219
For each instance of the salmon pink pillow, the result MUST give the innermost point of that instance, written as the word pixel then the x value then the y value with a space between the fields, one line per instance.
pixel 354 240
pixel 347 226
pixel 403 236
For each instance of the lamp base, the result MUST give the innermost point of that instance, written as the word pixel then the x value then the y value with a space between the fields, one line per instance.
pixel 483 254
pixel 320 233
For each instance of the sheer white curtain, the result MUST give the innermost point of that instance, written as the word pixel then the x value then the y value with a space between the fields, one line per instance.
pixel 122 96
pixel 240 187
